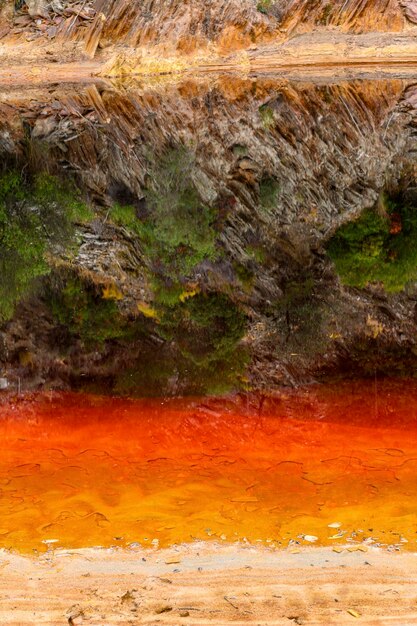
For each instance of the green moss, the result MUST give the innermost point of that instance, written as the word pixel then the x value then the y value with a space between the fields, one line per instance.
pixel 81 309
pixel 37 215
pixel 202 350
pixel 166 293
pixel 207 329
pixel 378 247
pixel 51 192
pixel 179 232
pixel 268 193
pixel 181 226
pixel 245 275
pixel 125 215
pixel 302 318
pixel 201 354
pixel 267 116
pixel 239 150
pixel 264 6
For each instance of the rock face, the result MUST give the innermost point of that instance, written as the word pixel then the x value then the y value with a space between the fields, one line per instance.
pixel 329 146
pixel 189 26
pixel 410 10
pixel 186 29
pixel 37 8
pixel 205 266
pixel 184 26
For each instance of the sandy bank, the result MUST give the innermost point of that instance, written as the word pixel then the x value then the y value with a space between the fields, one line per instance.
pixel 202 584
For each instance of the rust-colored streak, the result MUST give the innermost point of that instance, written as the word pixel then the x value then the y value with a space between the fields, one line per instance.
pixel 89 471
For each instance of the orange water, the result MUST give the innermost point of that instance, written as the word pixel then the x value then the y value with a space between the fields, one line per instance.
pixel 89 471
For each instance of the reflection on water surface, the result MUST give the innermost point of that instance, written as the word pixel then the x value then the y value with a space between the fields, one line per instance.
pixel 191 238
pixel 335 462
pixel 197 234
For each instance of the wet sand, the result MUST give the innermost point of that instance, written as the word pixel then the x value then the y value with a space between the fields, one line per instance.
pixel 209 584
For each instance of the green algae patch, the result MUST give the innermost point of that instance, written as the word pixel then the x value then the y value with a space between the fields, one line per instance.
pixel 37 219
pixel 379 247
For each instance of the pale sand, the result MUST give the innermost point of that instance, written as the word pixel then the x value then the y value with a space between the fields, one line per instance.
pixel 216 584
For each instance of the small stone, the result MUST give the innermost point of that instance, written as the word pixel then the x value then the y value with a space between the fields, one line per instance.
pixel 127 597
pixel 163 609
pixel 358 548
pixel 184 613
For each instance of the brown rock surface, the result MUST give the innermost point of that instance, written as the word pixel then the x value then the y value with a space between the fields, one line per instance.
pixel 410 10
pixel 173 35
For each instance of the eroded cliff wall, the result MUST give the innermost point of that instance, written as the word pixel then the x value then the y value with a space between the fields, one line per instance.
pixel 191 29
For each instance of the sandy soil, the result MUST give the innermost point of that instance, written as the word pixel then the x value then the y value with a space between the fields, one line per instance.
pixel 209 584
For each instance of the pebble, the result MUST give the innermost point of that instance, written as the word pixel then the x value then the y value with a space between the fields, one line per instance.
pixel 163 609
pixel 334 525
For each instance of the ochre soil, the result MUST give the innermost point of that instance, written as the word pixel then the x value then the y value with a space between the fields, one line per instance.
pixel 200 584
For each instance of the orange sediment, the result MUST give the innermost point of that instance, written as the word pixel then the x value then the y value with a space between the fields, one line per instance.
pixel 337 463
